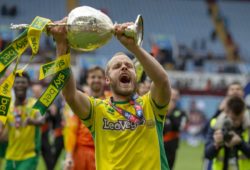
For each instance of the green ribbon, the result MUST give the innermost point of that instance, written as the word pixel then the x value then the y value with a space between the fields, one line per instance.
pixel 4 107
pixel 34 32
pixel 49 95
pixel 30 36
pixel 5 96
pixel 15 49
pixel 55 66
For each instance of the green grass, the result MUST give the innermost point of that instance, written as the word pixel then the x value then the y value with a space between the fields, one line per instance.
pixel 188 158
pixel 41 164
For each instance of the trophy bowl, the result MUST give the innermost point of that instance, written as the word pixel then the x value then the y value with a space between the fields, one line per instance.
pixel 89 29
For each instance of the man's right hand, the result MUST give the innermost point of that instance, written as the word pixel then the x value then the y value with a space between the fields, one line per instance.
pixel 218 138
pixel 60 36
pixel 59 32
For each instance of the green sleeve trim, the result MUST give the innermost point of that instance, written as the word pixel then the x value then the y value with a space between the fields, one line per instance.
pixel 90 113
pixel 162 117
pixel 163 158
pixel 121 102
pixel 158 106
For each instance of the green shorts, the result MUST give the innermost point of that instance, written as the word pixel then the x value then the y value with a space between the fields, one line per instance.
pixel 27 164
pixel 3 147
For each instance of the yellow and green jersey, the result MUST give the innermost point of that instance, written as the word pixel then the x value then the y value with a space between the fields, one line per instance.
pixel 121 144
pixel 23 140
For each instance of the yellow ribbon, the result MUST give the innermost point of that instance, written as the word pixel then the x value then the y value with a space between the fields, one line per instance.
pixel 5 96
pixel 34 32
pixel 55 66
pixel 5 93
pixel 15 49
pixel 49 95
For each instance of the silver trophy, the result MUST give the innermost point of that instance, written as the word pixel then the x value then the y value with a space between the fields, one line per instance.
pixel 89 28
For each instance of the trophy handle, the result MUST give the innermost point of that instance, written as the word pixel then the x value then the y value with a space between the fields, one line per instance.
pixel 136 30
pixel 23 26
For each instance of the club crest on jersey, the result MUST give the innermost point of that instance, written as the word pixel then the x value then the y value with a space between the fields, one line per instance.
pixel 120 125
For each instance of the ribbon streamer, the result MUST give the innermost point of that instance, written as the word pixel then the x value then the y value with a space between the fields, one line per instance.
pixel 34 32
pixel 30 36
pixel 15 49
pixel 52 91
pixel 5 97
pixel 55 66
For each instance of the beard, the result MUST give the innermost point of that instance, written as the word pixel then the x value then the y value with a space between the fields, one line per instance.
pixel 123 91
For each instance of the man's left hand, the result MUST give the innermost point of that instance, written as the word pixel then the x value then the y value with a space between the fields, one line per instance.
pixel 128 42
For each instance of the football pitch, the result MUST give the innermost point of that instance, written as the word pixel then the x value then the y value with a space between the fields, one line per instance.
pixel 188 158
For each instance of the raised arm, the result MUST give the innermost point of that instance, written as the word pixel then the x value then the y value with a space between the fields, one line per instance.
pixel 160 88
pixel 78 101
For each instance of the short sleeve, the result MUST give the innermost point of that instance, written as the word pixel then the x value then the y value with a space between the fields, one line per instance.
pixel 159 111
pixel 89 121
